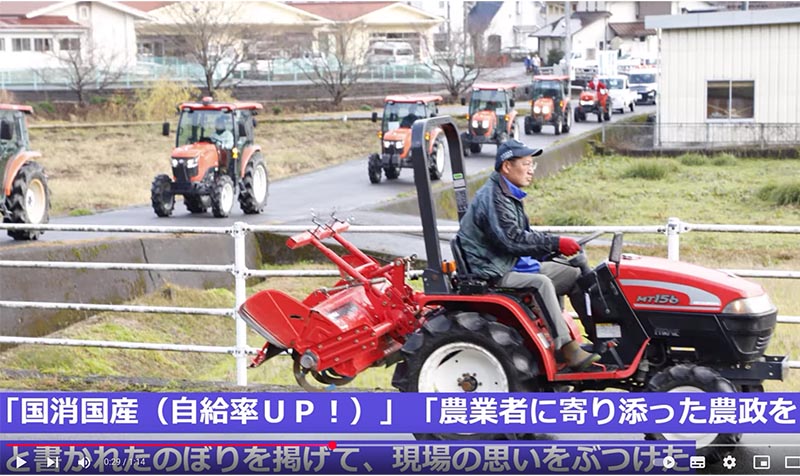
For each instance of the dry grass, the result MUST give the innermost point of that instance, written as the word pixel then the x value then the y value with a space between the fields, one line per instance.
pixel 112 167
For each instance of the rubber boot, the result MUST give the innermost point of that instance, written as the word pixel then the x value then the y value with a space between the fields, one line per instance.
pixel 577 358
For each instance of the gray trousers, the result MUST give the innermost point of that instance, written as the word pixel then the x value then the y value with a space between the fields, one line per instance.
pixel 547 291
pixel 565 279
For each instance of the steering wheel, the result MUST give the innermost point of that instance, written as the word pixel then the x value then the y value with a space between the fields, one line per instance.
pixel 557 257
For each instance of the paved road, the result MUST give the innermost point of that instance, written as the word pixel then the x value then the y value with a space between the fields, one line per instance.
pixel 345 188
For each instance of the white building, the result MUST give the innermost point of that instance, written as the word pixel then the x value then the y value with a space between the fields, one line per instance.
pixel 729 77
pixel 33 33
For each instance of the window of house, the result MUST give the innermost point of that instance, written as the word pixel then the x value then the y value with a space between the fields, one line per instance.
pixel 20 44
pixel 2 44
pixel 730 100
pixel 42 44
pixel 69 44
pixel 83 12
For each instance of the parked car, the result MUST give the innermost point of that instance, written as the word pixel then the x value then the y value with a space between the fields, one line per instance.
pixel 390 53
pixel 622 98
pixel 645 82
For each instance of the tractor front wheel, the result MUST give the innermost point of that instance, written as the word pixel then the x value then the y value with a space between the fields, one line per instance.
pixel 161 195
pixel 692 378
pixel 465 352
pixel 374 168
pixel 222 197
pixel 255 186
pixel 392 171
pixel 29 201
pixel 475 148
pixel 437 158
pixel 196 203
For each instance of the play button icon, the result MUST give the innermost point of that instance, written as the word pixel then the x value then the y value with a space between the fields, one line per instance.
pixel 19 462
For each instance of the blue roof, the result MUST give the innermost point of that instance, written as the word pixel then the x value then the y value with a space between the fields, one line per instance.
pixel 481 15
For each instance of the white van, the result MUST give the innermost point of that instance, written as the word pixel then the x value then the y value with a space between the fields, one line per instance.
pixel 390 53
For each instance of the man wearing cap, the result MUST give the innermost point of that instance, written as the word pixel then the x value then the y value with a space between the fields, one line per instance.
pixel 500 247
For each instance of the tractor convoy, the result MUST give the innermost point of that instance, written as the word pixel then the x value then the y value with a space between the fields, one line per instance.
pixel 659 325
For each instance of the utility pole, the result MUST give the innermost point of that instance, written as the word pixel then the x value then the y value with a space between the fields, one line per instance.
pixel 567 43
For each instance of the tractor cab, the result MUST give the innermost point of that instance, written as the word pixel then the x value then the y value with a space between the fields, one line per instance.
pixel 491 117
pixel 26 196
pixel 550 104
pixel 215 154
pixel 399 114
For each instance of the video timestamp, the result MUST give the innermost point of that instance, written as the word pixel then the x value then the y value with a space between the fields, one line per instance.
pixel 124 462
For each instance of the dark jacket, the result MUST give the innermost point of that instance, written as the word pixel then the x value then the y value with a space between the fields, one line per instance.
pixel 495 232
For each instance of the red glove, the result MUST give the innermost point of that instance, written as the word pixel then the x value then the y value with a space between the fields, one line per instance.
pixel 568 246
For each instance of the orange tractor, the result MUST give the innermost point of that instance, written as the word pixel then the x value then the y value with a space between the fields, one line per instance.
pixel 27 197
pixel 399 113
pixel 492 118
pixel 215 154
pixel 549 105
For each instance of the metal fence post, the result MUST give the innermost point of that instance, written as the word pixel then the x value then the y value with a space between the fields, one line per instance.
pixel 673 239
pixel 240 283
pixel 603 133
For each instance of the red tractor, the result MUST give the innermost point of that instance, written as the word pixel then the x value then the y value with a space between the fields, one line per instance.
pixel 659 325
pixel 549 105
pixel 399 114
pixel 594 101
pixel 25 191
pixel 215 154
pixel 491 118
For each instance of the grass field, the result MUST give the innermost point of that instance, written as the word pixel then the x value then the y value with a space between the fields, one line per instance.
pixel 112 167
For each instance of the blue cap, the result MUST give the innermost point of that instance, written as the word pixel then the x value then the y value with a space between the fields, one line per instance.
pixel 513 149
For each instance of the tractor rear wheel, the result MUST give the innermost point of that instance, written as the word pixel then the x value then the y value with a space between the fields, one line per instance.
pixel 607 115
pixel 222 197
pixel 693 378
pixel 196 203
pixel 514 131
pixel 161 196
pixel 29 201
pixel 438 151
pixel 465 352
pixel 255 186
pixel 558 126
pixel 567 121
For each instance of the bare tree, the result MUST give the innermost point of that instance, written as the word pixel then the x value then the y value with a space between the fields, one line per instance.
pixel 343 65
pixel 212 34
pixel 89 68
pixel 448 60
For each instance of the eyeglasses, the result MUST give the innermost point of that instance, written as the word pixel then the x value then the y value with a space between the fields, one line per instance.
pixel 532 166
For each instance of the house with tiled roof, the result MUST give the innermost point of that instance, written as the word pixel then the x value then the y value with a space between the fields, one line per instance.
pixel 284 29
pixel 33 34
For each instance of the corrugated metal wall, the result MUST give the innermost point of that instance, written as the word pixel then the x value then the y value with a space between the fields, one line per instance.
pixel 768 55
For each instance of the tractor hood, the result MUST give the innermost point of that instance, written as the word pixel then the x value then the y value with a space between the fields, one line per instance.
pixel 483 122
pixel 199 149
pixel 659 284
pixel 397 134
pixel 544 106
pixel 589 95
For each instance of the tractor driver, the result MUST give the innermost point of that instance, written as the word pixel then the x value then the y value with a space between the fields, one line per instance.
pixel 222 135
pixel 500 246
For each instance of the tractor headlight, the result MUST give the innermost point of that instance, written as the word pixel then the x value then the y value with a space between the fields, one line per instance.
pixel 174 162
pixel 752 305
pixel 475 124
pixel 399 144
pixel 192 163
pixel 387 144
pixel 546 110
pixel 537 109
pixel 485 123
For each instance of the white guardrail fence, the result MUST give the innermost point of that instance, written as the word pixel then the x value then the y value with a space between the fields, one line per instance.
pixel 240 350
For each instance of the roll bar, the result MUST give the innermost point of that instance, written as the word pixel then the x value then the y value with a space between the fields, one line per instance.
pixel 433 278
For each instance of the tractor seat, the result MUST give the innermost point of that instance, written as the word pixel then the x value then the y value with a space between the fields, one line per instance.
pixel 466 281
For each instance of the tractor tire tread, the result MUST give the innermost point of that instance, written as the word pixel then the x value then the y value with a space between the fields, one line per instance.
pixel 15 201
